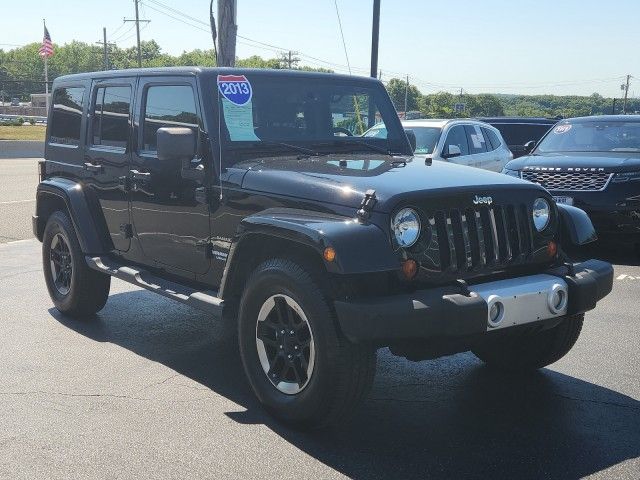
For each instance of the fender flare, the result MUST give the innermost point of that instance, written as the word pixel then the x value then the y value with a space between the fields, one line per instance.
pixel 73 196
pixel 576 225
pixel 360 247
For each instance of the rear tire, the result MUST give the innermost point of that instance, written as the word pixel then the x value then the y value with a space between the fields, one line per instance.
pixel 76 290
pixel 310 376
pixel 531 352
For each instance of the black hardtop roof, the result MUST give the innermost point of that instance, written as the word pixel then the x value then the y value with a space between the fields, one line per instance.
pixel 544 120
pixel 610 118
pixel 209 72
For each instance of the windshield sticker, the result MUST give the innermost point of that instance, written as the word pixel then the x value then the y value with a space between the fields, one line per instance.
pixel 239 121
pixel 235 88
pixel 562 128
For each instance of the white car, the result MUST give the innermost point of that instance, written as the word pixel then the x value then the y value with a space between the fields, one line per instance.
pixel 466 142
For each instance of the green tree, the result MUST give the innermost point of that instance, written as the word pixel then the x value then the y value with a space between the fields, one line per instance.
pixel 397 89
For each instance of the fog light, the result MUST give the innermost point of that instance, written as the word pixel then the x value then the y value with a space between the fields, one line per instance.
pixel 495 312
pixel 557 299
pixel 409 269
pixel 552 249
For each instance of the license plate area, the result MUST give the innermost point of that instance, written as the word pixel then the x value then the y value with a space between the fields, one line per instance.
pixel 563 199
pixel 523 300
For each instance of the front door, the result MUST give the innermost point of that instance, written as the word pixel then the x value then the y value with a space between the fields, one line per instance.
pixel 108 152
pixel 169 214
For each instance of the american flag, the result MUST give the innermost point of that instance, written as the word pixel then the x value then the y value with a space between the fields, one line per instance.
pixel 46 50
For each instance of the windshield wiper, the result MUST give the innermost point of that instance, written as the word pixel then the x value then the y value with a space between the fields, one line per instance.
pixel 370 146
pixel 306 151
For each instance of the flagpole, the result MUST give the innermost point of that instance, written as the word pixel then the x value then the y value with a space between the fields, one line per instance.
pixel 46 77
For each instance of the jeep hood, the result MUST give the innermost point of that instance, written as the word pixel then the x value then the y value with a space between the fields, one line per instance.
pixel 609 161
pixel 344 179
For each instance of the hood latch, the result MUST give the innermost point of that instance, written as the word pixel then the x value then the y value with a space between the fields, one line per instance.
pixel 369 200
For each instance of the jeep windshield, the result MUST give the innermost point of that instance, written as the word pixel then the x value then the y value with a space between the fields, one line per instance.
pixel 277 116
pixel 592 136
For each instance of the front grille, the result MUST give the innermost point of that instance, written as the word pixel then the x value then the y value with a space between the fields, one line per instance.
pixel 480 237
pixel 578 181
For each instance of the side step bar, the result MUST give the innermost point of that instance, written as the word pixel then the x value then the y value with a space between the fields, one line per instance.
pixel 202 300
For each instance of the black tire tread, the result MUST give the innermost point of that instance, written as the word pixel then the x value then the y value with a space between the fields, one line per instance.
pixel 90 289
pixel 358 361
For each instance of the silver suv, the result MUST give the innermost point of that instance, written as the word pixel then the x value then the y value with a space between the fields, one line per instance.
pixel 466 142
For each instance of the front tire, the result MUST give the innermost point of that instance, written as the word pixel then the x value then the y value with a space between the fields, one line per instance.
pixel 531 352
pixel 76 290
pixel 299 365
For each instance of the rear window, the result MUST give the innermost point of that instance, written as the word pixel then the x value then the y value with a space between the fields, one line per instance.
pixel 66 115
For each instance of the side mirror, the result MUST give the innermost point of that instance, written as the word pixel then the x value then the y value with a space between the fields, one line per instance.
pixel 530 145
pixel 451 151
pixel 411 136
pixel 175 143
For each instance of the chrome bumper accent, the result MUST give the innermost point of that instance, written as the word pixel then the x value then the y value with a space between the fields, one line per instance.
pixel 524 300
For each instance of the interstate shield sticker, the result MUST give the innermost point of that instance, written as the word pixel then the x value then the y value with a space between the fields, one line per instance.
pixel 560 129
pixel 235 88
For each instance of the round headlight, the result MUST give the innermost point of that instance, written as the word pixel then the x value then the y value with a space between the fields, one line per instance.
pixel 406 227
pixel 541 214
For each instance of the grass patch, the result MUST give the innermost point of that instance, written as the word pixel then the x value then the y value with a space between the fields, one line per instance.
pixel 23 132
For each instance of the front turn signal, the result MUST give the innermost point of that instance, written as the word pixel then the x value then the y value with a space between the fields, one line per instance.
pixel 329 254
pixel 552 249
pixel 409 269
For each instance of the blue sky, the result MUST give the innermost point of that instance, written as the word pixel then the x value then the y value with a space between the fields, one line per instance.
pixel 508 46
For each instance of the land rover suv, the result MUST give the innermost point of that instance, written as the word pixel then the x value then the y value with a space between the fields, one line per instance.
pixel 252 195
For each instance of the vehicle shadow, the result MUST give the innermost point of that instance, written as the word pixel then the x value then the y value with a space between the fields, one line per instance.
pixel 450 418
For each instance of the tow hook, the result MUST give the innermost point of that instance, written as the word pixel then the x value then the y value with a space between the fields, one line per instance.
pixel 369 200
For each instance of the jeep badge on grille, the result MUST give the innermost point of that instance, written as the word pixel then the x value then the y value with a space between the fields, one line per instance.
pixel 480 200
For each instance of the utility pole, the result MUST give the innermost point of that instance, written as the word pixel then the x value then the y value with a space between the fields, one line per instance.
pixel 375 36
pixel 626 93
pixel 406 97
pixel 227 28
pixel 105 48
pixel 613 107
pixel 137 20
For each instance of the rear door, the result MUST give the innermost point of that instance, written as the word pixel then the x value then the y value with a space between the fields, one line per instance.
pixel 170 219
pixel 498 148
pixel 480 155
pixel 108 153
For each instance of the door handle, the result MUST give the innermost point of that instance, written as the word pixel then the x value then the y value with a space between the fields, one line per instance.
pixel 92 167
pixel 136 175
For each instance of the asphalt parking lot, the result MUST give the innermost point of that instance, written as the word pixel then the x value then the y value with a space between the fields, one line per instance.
pixel 142 391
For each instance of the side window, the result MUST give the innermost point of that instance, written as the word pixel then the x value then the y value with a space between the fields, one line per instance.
pixel 477 142
pixel 456 136
pixel 167 106
pixel 67 115
pixel 492 138
pixel 111 116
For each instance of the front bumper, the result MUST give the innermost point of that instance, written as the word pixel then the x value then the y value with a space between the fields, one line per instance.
pixel 447 313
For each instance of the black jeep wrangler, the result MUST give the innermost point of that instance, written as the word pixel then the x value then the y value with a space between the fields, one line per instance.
pixel 252 195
